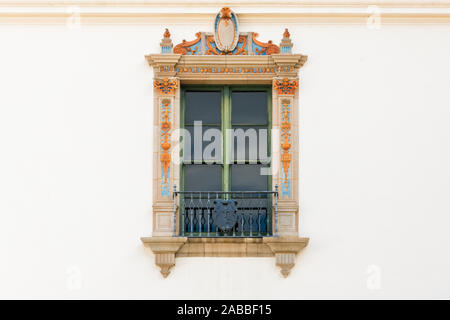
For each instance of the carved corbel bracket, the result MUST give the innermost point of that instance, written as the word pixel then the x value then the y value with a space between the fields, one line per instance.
pixel 164 249
pixel 166 86
pixel 285 86
pixel 285 250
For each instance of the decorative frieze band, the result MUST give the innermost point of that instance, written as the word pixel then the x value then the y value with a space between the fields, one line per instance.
pixel 235 70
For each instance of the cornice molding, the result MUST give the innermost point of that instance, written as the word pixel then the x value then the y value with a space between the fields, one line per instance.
pixel 179 12
pixel 226 68
pixel 218 3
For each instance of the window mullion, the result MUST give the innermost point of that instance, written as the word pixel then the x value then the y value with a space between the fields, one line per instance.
pixel 226 125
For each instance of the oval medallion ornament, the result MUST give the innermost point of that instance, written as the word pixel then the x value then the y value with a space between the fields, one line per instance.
pixel 226 31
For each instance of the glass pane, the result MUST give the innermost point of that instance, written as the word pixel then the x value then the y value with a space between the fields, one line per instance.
pixel 250 144
pixel 249 107
pixel 249 177
pixel 203 106
pixel 202 177
pixel 202 143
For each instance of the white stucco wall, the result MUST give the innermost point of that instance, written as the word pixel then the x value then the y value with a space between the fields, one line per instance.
pixel 75 165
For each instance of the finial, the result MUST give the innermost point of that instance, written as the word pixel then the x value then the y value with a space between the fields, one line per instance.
pixel 166 42
pixel 226 12
pixel 167 33
pixel 286 42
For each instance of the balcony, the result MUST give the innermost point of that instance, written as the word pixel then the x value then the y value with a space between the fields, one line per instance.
pixel 226 214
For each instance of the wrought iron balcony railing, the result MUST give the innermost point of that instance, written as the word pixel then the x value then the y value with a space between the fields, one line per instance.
pixel 226 213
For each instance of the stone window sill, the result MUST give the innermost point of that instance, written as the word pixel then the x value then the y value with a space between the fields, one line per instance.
pixel 284 249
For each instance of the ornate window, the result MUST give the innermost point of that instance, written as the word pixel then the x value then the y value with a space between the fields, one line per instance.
pixel 225 155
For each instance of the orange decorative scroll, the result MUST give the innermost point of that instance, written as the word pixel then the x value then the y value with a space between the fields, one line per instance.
pixel 286 86
pixel 267 48
pixel 241 50
pixel 211 50
pixel 214 51
pixel 185 46
pixel 285 145
pixel 165 86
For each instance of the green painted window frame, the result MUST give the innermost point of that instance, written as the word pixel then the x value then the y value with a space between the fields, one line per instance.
pixel 226 110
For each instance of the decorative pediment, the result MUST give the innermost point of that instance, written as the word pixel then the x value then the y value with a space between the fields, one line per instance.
pixel 227 40
pixel 226 54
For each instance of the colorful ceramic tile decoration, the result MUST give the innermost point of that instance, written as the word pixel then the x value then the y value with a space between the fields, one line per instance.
pixel 165 146
pixel 286 86
pixel 165 86
pixel 286 146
